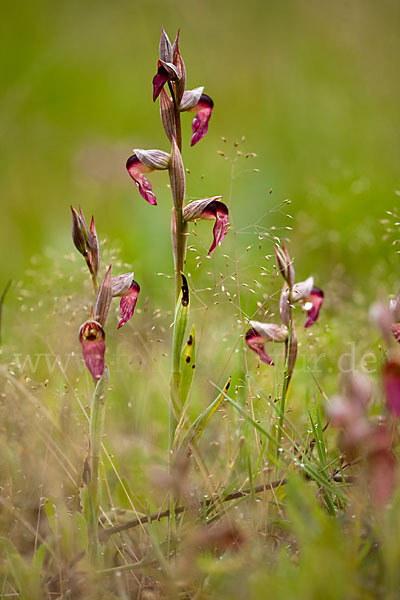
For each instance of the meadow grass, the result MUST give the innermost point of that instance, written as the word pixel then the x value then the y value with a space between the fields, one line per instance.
pixel 233 481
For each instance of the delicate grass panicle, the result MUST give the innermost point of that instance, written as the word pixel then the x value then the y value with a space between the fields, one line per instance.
pixel 267 483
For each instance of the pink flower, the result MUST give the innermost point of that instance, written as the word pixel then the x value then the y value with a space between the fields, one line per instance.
pixel 203 110
pixel 381 465
pixel 391 385
pixel 92 339
pixel 260 334
pixel 312 304
pixel 394 308
pixel 146 161
pixel 170 67
pixel 125 287
pixel 136 170
pixel 310 296
pixel 208 209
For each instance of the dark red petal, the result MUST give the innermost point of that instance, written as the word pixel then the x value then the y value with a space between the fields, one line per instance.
pixel 219 230
pixel 200 123
pixel 128 303
pixel 396 331
pixel 92 338
pixel 256 343
pixel 391 384
pixel 159 80
pixel 316 298
pixel 136 169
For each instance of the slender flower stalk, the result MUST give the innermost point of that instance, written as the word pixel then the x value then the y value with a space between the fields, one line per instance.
pixel 169 85
pixel 92 338
pixel 96 429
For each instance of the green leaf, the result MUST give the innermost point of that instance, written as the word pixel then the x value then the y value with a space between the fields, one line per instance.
pixel 201 422
pixel 180 323
pixel 27 579
pixel 187 366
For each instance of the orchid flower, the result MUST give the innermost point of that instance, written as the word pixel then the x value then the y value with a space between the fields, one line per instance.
pixel 203 110
pixel 311 298
pixel 171 69
pixel 260 334
pixel 360 437
pixel 394 308
pixel 91 333
pixel 391 385
pixel 92 339
pixel 125 287
pixel 207 209
pixel 146 161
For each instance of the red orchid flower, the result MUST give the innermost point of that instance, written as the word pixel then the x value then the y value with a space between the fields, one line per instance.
pixel 260 334
pixel 203 110
pixel 394 308
pixel 311 297
pixel 136 170
pixel 92 339
pixel 146 161
pixel 125 287
pixel 391 385
pixel 207 209
pixel 170 67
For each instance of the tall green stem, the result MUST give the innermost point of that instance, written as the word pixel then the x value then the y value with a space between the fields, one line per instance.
pixel 96 429
pixel 178 235
pixel 290 360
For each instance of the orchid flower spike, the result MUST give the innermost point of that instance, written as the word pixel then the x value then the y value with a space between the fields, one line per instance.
pixel 128 290
pixel 311 298
pixel 261 333
pixel 207 209
pixel 171 69
pixel 145 161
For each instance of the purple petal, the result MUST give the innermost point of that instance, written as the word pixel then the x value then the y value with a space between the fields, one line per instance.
pixel 219 211
pixel 316 299
pixel 92 339
pixel 391 384
pixel 200 123
pixel 159 81
pixel 136 169
pixel 256 343
pixel 219 230
pixel 396 331
pixel 128 303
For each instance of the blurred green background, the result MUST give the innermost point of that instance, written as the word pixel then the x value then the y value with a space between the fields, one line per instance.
pixel 313 85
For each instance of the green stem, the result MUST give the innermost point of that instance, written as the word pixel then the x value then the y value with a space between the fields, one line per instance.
pixel 96 429
pixel 179 228
pixel 287 375
pixel 93 276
